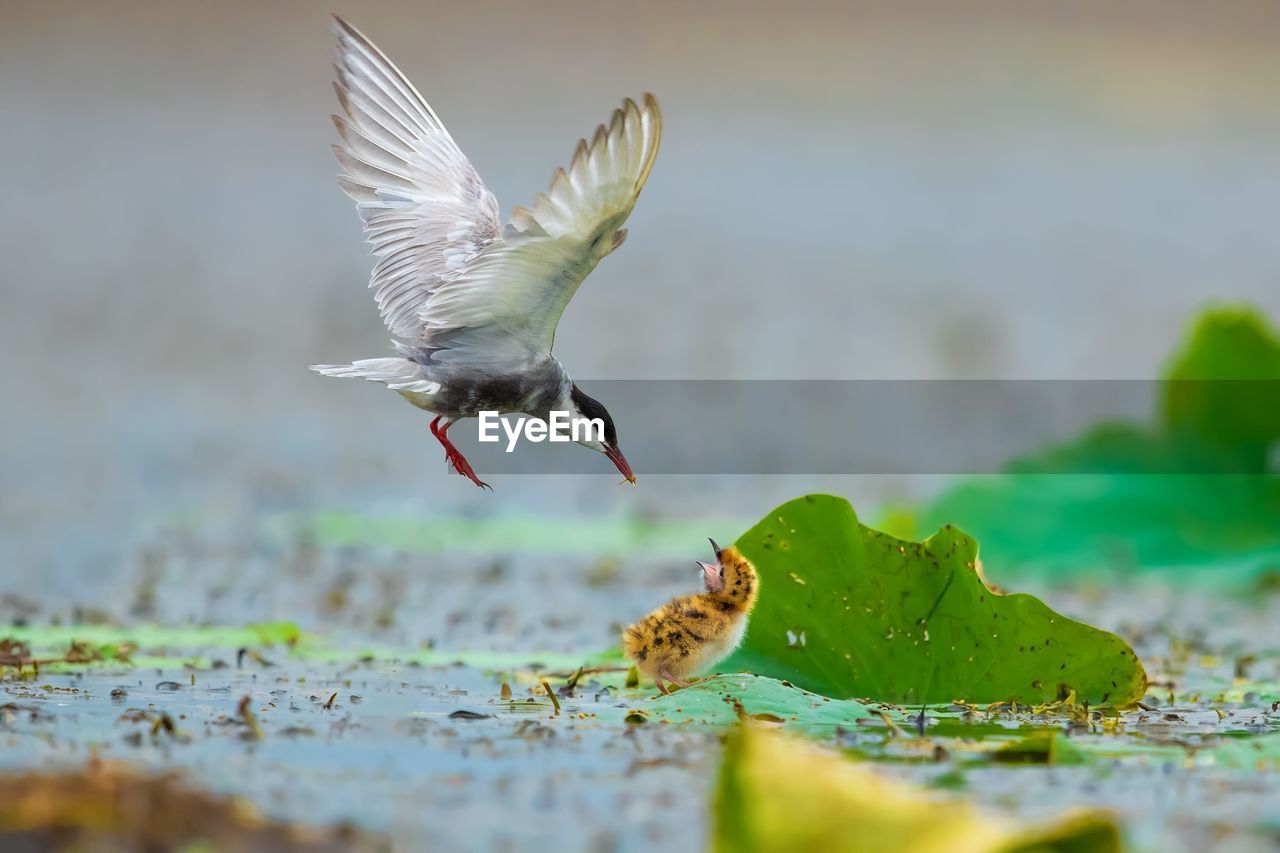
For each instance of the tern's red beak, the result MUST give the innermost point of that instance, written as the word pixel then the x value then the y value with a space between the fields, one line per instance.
pixel 616 457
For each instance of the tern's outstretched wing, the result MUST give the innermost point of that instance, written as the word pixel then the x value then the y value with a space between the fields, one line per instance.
pixel 425 210
pixel 516 288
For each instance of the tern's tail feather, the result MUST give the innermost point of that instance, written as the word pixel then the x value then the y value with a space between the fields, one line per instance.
pixel 398 374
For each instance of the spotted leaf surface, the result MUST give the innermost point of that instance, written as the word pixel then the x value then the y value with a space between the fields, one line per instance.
pixel 847 611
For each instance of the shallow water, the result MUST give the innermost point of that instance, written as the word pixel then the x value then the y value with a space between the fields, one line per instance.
pixel 382 629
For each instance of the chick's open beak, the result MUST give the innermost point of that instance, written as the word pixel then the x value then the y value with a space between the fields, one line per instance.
pixel 616 457
pixel 711 576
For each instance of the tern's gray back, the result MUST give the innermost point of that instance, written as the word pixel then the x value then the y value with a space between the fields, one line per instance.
pixel 469 388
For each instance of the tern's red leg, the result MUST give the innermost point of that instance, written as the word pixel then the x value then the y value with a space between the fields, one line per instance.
pixel 455 457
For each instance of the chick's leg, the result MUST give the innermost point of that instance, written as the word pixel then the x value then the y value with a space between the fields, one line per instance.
pixel 669 677
pixel 455 457
pixel 662 688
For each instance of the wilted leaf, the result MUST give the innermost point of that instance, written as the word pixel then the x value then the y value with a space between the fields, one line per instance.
pixel 112 807
pixel 911 623
pixel 777 794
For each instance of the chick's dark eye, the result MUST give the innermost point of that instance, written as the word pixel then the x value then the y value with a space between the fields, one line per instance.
pixel 722 573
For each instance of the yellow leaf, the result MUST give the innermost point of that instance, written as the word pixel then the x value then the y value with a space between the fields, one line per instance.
pixel 779 794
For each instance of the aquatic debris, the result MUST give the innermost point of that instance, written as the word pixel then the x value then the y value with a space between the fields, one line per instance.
pixel 14 653
pixel 246 716
pixel 18 654
pixel 161 723
pixel 894 729
pixel 763 717
pixel 554 701
pixel 164 723
pixel 463 714
pixel 253 655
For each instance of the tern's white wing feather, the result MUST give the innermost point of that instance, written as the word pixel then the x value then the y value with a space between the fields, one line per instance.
pixel 425 210
pixel 518 287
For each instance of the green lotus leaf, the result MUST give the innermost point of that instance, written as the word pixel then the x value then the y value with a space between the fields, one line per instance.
pixel 1223 388
pixel 1194 491
pixel 847 611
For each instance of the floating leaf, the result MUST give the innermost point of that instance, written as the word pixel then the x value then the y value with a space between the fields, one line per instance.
pixel 779 794
pixel 1261 752
pixel 1043 747
pixel 55 638
pixel 522 534
pixel 273 633
pixel 911 623
pixel 724 699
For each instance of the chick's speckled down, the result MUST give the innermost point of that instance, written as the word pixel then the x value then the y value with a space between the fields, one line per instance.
pixel 693 633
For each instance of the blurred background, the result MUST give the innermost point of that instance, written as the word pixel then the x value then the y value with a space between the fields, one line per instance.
pixel 845 191
pixel 999 190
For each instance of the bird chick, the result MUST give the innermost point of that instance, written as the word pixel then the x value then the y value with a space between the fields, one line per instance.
pixel 693 633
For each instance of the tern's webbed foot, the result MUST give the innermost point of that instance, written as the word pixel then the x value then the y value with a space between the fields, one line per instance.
pixel 456 460
pixel 463 467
